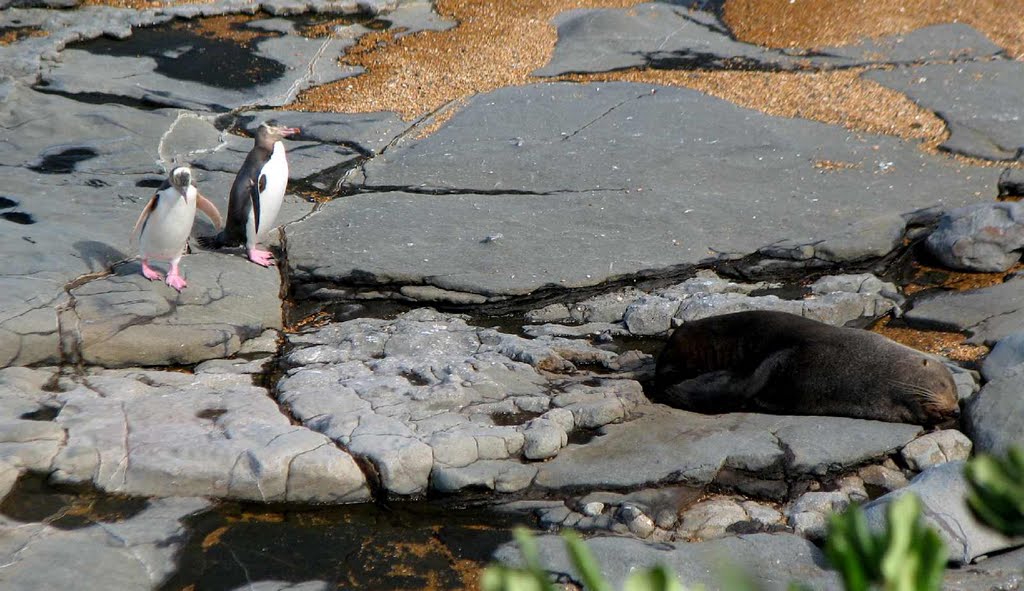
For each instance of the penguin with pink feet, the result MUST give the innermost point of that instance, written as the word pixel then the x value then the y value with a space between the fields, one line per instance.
pixel 256 194
pixel 165 224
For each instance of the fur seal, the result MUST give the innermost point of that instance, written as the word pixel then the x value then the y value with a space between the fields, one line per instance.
pixel 256 194
pixel 164 225
pixel 786 364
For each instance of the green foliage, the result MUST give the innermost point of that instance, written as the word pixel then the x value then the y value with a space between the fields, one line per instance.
pixel 532 577
pixel 907 556
pixel 997 490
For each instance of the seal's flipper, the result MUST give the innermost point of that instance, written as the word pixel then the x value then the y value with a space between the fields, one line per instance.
pixel 712 392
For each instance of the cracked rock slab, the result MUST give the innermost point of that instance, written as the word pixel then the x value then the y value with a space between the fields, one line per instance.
pixel 153 433
pixel 673 37
pixel 533 164
pixel 434 403
pixel 76 177
pixel 139 552
pixel 988 314
pixel 978 102
pixel 754 452
pixel 125 319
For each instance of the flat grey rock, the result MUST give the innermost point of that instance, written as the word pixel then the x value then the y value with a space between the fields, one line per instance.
pixel 976 100
pixel 995 573
pixel 988 314
pixel 125 319
pixel 537 161
pixel 667 445
pixel 774 560
pixel 154 433
pixel 136 552
pixel 992 418
pixel 943 490
pixel 77 175
pixel 434 403
pixel 307 62
pixel 673 37
pixel 985 237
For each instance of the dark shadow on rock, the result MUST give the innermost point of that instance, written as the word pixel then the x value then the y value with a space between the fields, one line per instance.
pixel 98 255
pixel 62 162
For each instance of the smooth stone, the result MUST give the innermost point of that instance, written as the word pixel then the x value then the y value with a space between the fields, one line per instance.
pixel 884 477
pixel 986 237
pixel 942 491
pixel 1011 183
pixel 932 449
pixel 1004 358
pixel 988 314
pixel 711 519
pixel 992 418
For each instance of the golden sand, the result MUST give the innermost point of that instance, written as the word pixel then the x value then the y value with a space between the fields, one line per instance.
pixel 18 33
pixel 498 44
pixel 947 344
pixel 821 23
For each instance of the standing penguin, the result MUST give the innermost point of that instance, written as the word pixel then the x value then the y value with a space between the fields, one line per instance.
pixel 163 228
pixel 256 194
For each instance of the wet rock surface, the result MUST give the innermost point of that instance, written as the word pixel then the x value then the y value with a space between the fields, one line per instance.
pixel 132 552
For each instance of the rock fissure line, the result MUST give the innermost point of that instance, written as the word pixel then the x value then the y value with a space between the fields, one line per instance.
pixel 602 116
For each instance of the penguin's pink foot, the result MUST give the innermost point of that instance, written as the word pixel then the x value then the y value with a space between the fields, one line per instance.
pixel 151 274
pixel 261 257
pixel 176 281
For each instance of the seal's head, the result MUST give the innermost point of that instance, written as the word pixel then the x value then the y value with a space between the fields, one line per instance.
pixel 925 393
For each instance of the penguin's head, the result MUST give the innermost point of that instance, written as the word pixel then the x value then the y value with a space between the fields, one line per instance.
pixel 181 178
pixel 269 133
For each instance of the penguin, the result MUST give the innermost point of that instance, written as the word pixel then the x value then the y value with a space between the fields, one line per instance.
pixel 164 225
pixel 256 194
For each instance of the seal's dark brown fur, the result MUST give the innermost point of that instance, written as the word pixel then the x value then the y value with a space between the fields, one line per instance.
pixel 783 363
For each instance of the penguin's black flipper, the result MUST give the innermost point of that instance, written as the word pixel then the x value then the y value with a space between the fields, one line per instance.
pixel 255 190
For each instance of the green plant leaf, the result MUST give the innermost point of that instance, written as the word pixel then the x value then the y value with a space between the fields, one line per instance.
pixel 584 563
pixel 659 578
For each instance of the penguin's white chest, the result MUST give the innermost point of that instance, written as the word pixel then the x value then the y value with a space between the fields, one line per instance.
pixel 275 171
pixel 169 224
